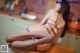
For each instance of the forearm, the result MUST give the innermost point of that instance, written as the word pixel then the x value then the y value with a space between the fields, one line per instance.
pixel 46 17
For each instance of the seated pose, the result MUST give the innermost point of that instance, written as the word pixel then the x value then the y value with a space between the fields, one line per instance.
pixel 43 36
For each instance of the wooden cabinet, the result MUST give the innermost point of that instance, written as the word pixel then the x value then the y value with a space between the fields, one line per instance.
pixel 72 41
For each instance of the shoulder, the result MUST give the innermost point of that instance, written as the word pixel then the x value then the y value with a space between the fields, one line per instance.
pixel 54 12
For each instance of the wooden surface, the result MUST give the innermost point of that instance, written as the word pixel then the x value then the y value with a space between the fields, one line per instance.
pixel 55 49
pixel 74 28
pixel 61 49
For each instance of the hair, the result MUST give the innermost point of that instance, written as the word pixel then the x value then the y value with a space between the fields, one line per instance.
pixel 65 11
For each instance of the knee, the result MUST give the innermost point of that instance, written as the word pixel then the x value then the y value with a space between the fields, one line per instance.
pixel 9 39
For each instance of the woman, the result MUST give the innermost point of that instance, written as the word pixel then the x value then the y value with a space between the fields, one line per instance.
pixel 46 33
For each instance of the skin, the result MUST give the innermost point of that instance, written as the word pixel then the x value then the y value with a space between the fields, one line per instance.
pixel 25 40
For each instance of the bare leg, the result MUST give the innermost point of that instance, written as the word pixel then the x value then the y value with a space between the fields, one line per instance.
pixel 22 35
pixel 20 39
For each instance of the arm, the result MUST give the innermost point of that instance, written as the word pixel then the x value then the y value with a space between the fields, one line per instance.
pixel 51 15
pixel 46 17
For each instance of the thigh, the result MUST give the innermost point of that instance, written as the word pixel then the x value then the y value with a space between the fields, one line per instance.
pixel 18 36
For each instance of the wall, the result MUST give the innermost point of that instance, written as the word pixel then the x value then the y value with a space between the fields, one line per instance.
pixel 38 6
pixel 75 8
pixel 2 2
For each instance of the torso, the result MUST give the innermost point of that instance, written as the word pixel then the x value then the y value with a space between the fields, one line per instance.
pixel 60 22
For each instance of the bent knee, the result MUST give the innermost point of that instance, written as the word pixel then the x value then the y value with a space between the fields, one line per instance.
pixel 9 39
